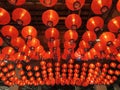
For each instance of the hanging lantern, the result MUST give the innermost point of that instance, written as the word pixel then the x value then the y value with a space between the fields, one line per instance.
pixel 24 49
pixel 50 18
pixel 39 49
pixel 21 16
pixel 118 5
pixel 101 6
pixel 116 43
pixel 32 44
pixel 68 45
pixel 107 38
pixel 17 42
pixel 51 34
pixel 118 57
pixel 74 4
pixel 73 21
pixel 55 44
pixel 29 32
pixel 114 25
pixel 94 53
pixel 9 31
pixel 48 3
pixel 99 47
pixel 89 36
pixel 84 45
pixel 4 16
pixel 95 23
pixel 71 36
pixel 16 2
pixel 8 51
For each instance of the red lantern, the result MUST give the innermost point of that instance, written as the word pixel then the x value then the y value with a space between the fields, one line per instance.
pixel 48 3
pixel 9 31
pixel 50 18
pixel 24 49
pixel 36 68
pixel 8 50
pixel 113 64
pixel 39 49
pixel 52 34
pixel 29 32
pixel 107 38
pixel 100 6
pixel 94 53
pixel 17 3
pixel 84 45
pixel 68 45
pixel 114 25
pixel 4 16
pixel 74 4
pixel 1 41
pixel 99 47
pixel 54 44
pixel 95 23
pixel 10 66
pixel 71 36
pixel 73 21
pixel 19 65
pixel 17 42
pixel 87 56
pixel 118 57
pixel 116 43
pixel 118 5
pixel 21 16
pixel 89 36
pixel 28 67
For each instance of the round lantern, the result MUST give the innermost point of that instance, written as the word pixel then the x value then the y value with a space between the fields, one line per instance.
pixel 16 2
pixel 100 6
pixel 74 4
pixel 68 45
pixel 73 21
pixel 99 47
pixel 21 16
pixel 95 23
pixel 84 45
pixel 17 42
pixel 9 31
pixel 114 25
pixel 50 18
pixel 54 44
pixel 48 3
pixel 4 16
pixel 51 34
pixel 94 53
pixel 24 49
pixel 71 36
pixel 89 36
pixel 118 57
pixel 107 38
pixel 118 5
pixel 116 43
pixel 29 32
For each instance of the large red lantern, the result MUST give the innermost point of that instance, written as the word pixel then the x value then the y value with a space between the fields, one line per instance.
pixel 50 18
pixel 73 21
pixel 17 42
pixel 94 53
pixel 21 16
pixel 24 49
pixel 52 34
pixel 118 5
pixel 8 51
pixel 9 31
pixel 89 36
pixel 107 38
pixel 95 23
pixel 74 4
pixel 71 36
pixel 99 47
pixel 17 2
pixel 4 17
pixel 48 3
pixel 100 6
pixel 114 25
pixel 29 32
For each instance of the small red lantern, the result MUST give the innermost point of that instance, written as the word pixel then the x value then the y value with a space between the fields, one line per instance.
pixel 118 5
pixel 8 51
pixel 99 47
pixel 74 4
pixel 29 32
pixel 48 3
pixel 28 67
pixel 107 38
pixel 17 2
pixel 68 45
pixel 84 45
pixel 9 31
pixel 113 65
pixel 73 21
pixel 21 16
pixel 24 49
pixel 54 44
pixel 94 53
pixel 118 57
pixel 50 18
pixel 4 17
pixel 89 36
pixel 95 23
pixel 114 25
pixel 52 34
pixel 17 42
pixel 100 6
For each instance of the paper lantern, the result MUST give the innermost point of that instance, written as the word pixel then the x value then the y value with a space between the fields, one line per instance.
pixel 100 6
pixel 4 16
pixel 16 2
pixel 50 18
pixel 118 5
pixel 48 3
pixel 54 44
pixel 99 47
pixel 29 32
pixel 8 50
pixel 95 23
pixel 9 31
pixel 21 16
pixel 73 21
pixel 74 4
pixel 24 50
pixel 68 45
pixel 84 45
